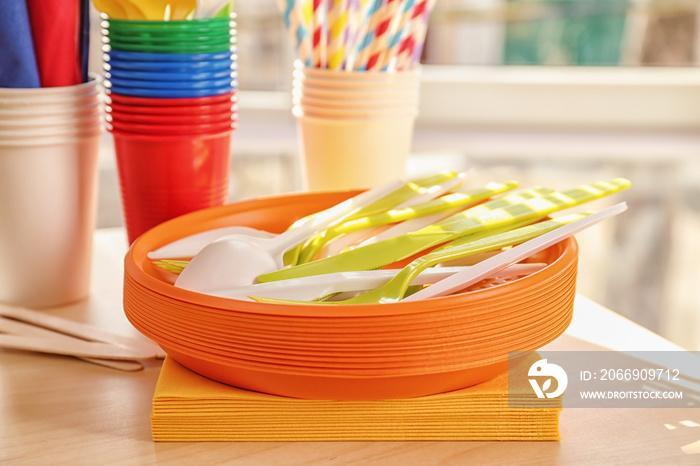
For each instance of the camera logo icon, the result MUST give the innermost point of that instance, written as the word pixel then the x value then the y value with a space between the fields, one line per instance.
pixel 542 369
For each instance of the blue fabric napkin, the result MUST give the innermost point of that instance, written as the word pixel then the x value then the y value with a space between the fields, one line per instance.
pixel 17 61
pixel 84 38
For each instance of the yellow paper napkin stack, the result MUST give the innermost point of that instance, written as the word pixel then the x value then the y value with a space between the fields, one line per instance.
pixel 188 407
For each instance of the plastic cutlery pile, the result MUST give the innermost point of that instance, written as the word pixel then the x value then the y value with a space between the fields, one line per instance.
pixel 333 256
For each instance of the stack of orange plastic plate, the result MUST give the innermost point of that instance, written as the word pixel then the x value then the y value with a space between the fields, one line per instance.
pixel 348 352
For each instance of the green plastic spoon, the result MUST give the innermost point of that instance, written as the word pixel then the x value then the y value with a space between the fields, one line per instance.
pixel 490 217
pixel 449 201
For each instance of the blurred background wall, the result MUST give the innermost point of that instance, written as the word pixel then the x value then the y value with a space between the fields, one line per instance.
pixel 548 92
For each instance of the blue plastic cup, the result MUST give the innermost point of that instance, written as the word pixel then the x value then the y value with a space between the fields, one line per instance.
pixel 167 76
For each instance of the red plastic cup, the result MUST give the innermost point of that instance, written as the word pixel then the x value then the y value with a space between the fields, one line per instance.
pixel 178 102
pixel 169 129
pixel 168 120
pixel 175 110
pixel 162 177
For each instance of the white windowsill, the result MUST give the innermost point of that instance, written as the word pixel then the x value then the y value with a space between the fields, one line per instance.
pixel 629 113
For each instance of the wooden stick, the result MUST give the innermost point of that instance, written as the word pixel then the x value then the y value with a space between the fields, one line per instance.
pixel 19 328
pixel 87 349
pixel 80 330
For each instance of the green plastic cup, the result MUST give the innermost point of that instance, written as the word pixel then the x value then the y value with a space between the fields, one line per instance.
pixel 223 28
pixel 202 24
pixel 167 36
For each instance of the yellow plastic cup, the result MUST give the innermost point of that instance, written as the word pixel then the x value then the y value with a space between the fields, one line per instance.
pixel 353 114
pixel 355 128
pixel 343 153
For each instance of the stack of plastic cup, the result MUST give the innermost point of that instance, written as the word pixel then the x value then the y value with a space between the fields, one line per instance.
pixel 49 143
pixel 355 128
pixel 170 59
pixel 171 89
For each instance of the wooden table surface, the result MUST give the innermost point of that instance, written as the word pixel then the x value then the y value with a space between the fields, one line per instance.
pixel 60 410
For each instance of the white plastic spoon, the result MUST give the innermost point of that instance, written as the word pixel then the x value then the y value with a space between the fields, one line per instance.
pixel 236 260
pixel 318 286
pixel 189 246
pixel 492 265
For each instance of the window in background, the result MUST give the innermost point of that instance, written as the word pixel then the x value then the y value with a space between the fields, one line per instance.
pixel 505 32
pixel 563 32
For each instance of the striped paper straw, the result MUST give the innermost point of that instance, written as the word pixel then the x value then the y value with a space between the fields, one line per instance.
pixel 416 33
pixel 382 34
pixel 405 54
pixel 359 11
pixel 297 32
pixel 399 30
pixel 367 35
pixel 420 40
pixel 337 23
pixel 306 12
pixel 319 38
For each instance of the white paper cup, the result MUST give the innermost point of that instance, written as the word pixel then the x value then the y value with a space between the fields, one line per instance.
pixel 51 121
pixel 13 99
pixel 51 140
pixel 49 92
pixel 59 130
pixel 53 111
pixel 47 203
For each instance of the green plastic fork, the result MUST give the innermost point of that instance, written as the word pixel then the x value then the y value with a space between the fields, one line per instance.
pixel 395 289
pixel 408 190
pixel 491 217
pixel 443 203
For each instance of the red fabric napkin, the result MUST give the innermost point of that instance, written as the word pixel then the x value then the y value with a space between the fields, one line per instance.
pixel 56 31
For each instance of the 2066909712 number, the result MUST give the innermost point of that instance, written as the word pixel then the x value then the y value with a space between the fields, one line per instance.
pixel 658 374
